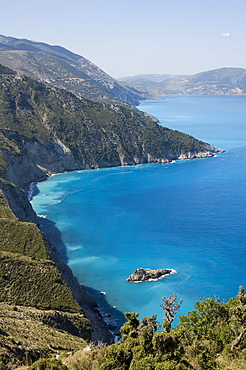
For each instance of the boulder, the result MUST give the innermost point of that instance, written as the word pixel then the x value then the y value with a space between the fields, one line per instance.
pixel 141 274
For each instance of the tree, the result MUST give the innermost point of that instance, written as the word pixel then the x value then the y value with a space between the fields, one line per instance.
pixel 238 318
pixel 170 307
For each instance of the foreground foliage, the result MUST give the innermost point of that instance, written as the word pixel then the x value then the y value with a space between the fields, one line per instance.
pixel 212 336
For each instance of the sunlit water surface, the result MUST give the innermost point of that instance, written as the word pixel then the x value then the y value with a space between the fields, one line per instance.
pixel 188 215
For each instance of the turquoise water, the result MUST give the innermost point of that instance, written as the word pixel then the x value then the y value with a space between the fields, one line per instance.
pixel 187 215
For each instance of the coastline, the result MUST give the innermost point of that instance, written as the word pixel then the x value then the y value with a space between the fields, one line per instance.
pixel 104 316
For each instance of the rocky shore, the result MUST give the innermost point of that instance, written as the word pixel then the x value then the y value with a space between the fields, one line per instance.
pixel 21 207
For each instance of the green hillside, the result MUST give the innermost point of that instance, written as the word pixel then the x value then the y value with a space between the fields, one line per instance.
pixel 30 280
pixel 26 263
pixel 211 337
pixel 44 312
pixel 45 130
pixel 28 333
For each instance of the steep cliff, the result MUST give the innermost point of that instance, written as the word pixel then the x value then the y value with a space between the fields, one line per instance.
pixel 32 273
pixel 18 202
pixel 47 130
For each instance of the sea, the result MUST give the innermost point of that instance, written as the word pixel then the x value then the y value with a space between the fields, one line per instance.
pixel 189 215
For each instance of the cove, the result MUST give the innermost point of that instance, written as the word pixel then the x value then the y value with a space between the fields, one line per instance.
pixel 188 215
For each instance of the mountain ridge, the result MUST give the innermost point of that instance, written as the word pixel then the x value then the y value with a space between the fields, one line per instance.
pixel 46 130
pixel 57 66
pixel 220 81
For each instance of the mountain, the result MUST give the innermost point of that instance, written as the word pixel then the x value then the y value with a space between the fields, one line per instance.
pixel 222 81
pixel 150 77
pixel 44 130
pixel 57 66
pixel 148 84
pixel 47 130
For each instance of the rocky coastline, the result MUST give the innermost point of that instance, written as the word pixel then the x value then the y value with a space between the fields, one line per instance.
pixel 76 134
pixel 23 171
pixel 19 203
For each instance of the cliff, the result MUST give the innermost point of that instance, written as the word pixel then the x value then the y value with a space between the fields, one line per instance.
pixel 46 130
pixel 32 275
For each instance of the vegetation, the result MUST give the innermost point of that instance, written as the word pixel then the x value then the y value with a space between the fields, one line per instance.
pixel 20 237
pixel 59 67
pixel 25 262
pixel 209 337
pixel 58 131
pixel 45 129
pixel 28 334
pixel 212 336
pixel 37 308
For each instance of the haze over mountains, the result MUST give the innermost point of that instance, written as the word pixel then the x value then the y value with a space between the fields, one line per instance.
pixel 221 81
pixel 57 66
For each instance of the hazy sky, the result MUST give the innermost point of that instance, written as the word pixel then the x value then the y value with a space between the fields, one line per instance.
pixel 130 37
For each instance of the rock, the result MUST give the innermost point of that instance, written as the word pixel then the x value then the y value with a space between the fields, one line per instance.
pixel 18 202
pixel 141 274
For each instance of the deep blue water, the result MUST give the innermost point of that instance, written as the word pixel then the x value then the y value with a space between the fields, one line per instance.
pixel 188 215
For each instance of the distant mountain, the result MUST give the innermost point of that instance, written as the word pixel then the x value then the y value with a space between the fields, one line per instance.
pixel 222 81
pixel 151 77
pixel 149 84
pixel 57 66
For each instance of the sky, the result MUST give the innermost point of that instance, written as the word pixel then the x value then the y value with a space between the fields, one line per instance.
pixel 131 37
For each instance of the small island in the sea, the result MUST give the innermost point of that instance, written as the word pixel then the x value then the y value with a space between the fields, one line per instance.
pixel 141 274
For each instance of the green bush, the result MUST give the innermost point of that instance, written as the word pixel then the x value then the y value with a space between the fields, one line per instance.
pixel 212 336
pixel 48 364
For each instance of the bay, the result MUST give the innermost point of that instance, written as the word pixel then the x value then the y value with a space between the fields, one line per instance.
pixel 188 215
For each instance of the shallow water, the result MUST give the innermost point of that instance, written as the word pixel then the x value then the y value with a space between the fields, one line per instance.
pixel 187 215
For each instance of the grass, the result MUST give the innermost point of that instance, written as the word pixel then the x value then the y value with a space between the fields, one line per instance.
pixel 38 313
pixel 26 335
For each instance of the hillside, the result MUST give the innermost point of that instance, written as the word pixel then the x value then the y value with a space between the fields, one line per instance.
pixel 148 84
pixel 37 305
pixel 222 81
pixel 46 130
pixel 57 66
pixel 150 77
